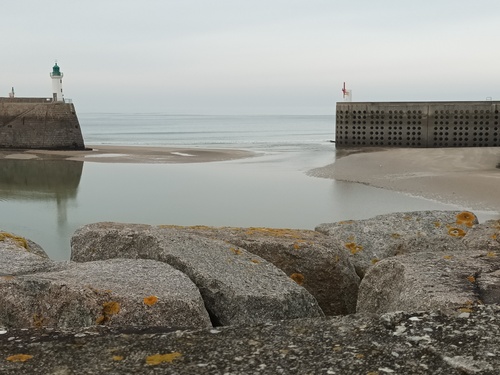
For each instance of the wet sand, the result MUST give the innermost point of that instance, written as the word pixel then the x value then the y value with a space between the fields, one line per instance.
pixel 132 154
pixel 468 177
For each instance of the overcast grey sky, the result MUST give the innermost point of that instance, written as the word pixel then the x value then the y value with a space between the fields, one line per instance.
pixel 250 56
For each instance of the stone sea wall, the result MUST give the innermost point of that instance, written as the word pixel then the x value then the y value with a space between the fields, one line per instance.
pixel 39 123
pixel 414 292
pixel 418 124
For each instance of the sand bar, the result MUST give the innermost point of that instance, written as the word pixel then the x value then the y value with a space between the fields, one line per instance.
pixel 469 177
pixel 131 154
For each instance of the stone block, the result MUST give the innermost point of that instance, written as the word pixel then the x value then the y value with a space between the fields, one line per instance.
pixel 306 256
pixel 371 240
pixel 237 287
pixel 118 292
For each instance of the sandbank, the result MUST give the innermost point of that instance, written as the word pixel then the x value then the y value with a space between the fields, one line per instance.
pixel 469 177
pixel 131 154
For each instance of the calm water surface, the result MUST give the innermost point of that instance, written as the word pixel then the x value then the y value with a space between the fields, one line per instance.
pixel 48 201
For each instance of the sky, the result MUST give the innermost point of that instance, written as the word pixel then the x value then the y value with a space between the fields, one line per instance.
pixel 249 56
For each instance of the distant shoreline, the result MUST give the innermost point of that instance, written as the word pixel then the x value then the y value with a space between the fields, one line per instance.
pixel 132 154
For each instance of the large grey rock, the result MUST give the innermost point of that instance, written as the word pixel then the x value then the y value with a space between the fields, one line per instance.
pixel 19 255
pixel 450 282
pixel 236 286
pixel 371 240
pixel 307 256
pixel 119 292
pixel 416 343
pixel 484 236
pixel 13 241
pixel 483 241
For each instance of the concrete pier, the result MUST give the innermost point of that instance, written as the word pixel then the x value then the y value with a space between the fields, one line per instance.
pixel 39 123
pixel 418 124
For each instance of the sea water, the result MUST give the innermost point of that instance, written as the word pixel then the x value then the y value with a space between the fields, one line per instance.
pixel 46 201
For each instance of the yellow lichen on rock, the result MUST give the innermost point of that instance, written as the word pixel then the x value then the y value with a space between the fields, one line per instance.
pixel 235 251
pixel 274 232
pixel 111 308
pixel 150 301
pixel 19 357
pixel 466 218
pixel 353 248
pixel 157 359
pixel 448 257
pixel 456 232
pixel 21 241
pixel 108 309
pixel 298 278
pixel 117 358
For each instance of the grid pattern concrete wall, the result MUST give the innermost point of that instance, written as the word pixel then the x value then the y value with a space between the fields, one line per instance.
pixel 37 123
pixel 418 124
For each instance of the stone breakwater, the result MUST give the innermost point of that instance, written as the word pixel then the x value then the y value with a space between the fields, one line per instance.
pixel 413 292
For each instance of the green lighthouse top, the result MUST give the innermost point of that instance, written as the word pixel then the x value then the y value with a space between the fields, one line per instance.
pixel 55 70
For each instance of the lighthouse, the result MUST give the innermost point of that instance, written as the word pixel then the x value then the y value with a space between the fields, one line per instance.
pixel 57 92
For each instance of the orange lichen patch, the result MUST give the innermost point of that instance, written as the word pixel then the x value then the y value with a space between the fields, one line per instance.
pixel 298 278
pixel 110 308
pixel 296 246
pixel 471 278
pixel 235 250
pixel 494 236
pixel 353 248
pixel 256 261
pixel 117 358
pixel 150 301
pixel 448 257
pixel 437 224
pixel 38 321
pixel 395 235
pixel 456 232
pixel 466 218
pixel 274 232
pixel 19 357
pixel 156 359
pixel 19 240
pixel 375 260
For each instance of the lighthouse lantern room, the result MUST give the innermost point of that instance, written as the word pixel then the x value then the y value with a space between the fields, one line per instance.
pixel 57 92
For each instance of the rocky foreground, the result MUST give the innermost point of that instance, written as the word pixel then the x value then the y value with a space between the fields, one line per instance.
pixel 404 293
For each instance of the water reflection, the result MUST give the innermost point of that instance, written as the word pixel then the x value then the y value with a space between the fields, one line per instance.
pixel 39 179
pixel 34 198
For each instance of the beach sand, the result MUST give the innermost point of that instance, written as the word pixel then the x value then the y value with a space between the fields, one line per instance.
pixel 469 177
pixel 131 154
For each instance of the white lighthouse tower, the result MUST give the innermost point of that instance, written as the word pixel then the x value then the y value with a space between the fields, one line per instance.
pixel 57 92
